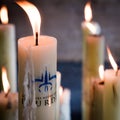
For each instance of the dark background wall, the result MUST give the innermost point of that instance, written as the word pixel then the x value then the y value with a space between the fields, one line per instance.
pixel 62 19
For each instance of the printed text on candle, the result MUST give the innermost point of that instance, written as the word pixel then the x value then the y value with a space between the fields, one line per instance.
pixel 42 101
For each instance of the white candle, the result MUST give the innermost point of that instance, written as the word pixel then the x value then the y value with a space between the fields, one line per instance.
pixel 37 71
pixel 8 50
pixel 93 45
pixel 92 105
pixel 111 95
pixel 93 57
pixel 112 92
pixel 65 112
pixel 58 95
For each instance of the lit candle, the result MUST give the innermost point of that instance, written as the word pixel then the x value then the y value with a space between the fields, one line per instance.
pixel 65 95
pixel 8 100
pixel 92 104
pixel 8 50
pixel 37 57
pixel 93 45
pixel 112 91
pixel 93 57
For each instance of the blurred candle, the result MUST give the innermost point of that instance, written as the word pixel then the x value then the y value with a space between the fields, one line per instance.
pixel 58 95
pixel 65 97
pixel 93 57
pixel 93 44
pixel 37 57
pixel 8 50
pixel 8 100
pixel 112 91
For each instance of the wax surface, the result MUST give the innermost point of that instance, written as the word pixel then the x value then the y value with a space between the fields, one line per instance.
pixel 37 77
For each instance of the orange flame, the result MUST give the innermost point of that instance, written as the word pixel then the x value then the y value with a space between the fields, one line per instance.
pixel 101 72
pixel 4 15
pixel 112 61
pixel 6 85
pixel 33 14
pixel 88 12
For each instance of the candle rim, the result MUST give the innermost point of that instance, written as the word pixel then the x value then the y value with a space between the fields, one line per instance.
pixel 42 39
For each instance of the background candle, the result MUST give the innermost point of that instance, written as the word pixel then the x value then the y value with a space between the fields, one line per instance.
pixel 58 95
pixel 65 112
pixel 93 57
pixel 111 95
pixel 8 100
pixel 8 106
pixel 8 51
pixel 112 91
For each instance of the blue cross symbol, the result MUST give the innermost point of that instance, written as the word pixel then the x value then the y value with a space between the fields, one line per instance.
pixel 46 81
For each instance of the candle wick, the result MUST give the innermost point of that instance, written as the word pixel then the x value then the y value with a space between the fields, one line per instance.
pixel 7 93
pixel 116 73
pixel 36 39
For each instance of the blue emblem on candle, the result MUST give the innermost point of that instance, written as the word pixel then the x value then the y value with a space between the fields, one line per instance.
pixel 45 81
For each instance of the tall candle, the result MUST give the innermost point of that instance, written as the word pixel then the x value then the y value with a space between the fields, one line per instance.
pixel 93 57
pixel 112 92
pixel 8 50
pixel 37 73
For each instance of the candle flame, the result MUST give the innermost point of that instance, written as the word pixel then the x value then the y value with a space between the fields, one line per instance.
pixel 88 12
pixel 33 14
pixel 101 72
pixel 4 15
pixel 112 61
pixel 6 85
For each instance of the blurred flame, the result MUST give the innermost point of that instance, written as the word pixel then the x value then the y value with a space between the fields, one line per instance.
pixel 6 85
pixel 88 12
pixel 60 90
pixel 33 14
pixel 4 15
pixel 112 61
pixel 101 72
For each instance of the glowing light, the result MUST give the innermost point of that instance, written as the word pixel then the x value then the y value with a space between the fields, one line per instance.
pixel 88 12
pixel 112 61
pixel 6 85
pixel 101 72
pixel 4 15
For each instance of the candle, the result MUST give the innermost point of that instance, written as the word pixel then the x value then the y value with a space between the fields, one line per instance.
pixel 58 95
pixel 92 106
pixel 37 71
pixel 8 100
pixel 93 45
pixel 112 91
pixel 8 50
pixel 93 57
pixel 65 113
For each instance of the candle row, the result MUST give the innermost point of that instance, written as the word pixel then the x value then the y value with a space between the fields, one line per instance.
pixel 100 100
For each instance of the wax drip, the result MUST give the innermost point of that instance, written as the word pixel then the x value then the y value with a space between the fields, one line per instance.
pixel 114 93
pixel 36 39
